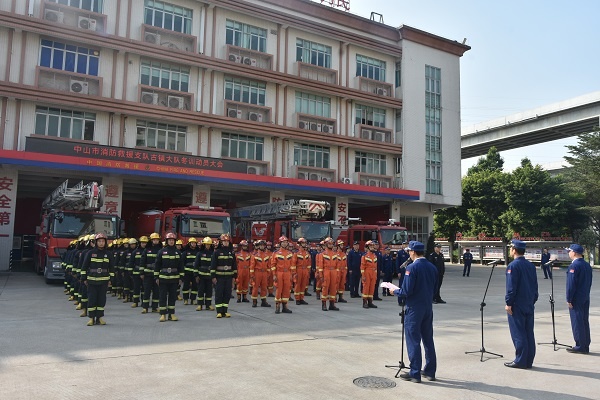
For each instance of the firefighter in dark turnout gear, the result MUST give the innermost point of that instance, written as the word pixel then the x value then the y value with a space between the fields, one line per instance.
pixel 96 272
pixel 190 287
pixel 147 263
pixel 137 270
pixel 83 303
pixel 127 268
pixel 168 272
pixel 203 276
pixel 223 270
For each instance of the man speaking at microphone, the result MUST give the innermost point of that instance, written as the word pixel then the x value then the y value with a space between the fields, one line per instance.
pixel 418 288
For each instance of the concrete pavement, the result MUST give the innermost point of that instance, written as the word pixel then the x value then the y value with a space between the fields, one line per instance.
pixel 47 351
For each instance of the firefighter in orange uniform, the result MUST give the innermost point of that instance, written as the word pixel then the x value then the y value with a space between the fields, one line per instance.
pixel 260 269
pixel 303 262
pixel 243 258
pixel 368 271
pixel 343 268
pixel 327 267
pixel 319 275
pixel 270 285
pixel 283 268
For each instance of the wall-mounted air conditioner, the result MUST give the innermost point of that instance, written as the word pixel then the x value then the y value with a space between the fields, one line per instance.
pixel 314 177
pixel 234 113
pixel 235 58
pixel 302 175
pixel 325 179
pixel 86 23
pixel 256 117
pixel 249 61
pixel 381 91
pixel 327 128
pixel 254 170
pixel 54 16
pixel 150 98
pixel 366 133
pixel 347 180
pixel 153 38
pixel 380 136
pixel 176 102
pixel 304 125
pixel 384 184
pixel 373 182
pixel 78 86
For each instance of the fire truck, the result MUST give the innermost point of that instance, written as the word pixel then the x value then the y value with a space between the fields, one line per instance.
pixel 291 218
pixel 388 233
pixel 67 214
pixel 185 222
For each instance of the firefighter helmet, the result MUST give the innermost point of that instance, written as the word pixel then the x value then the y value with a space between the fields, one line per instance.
pixel 269 243
pixel 368 242
pixel 154 235
pixel 260 242
pixel 340 242
pixel 170 235
pixel 207 240
pixel 302 240
pixel 244 243
pixel 144 239
pixel 328 240
pixel 110 244
pixel 100 235
pixel 283 239
pixel 132 241
pixel 224 236
pixel 192 240
pixel 179 241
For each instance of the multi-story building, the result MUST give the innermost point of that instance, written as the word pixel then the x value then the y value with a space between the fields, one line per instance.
pixel 225 102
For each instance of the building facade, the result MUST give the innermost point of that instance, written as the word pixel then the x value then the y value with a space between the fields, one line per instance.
pixel 228 103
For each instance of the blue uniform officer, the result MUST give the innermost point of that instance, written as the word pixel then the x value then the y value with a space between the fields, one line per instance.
pixel 521 295
pixel 387 267
pixel 579 284
pixel 418 287
pixel 546 264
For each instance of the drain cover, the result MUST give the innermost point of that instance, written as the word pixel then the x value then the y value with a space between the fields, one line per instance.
pixel 374 382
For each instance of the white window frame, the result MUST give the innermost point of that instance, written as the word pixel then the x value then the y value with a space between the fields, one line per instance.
pixel 57 122
pixel 243 145
pixel 161 136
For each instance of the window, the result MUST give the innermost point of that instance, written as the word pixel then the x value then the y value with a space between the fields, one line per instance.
pixel 433 130
pixel 370 116
pixel 160 136
pixel 309 155
pixel 398 74
pixel 313 53
pixel 68 57
pixel 90 5
pixel 64 123
pixel 371 68
pixel 245 91
pixel 417 227
pixel 370 163
pixel 246 36
pixel 165 76
pixel 314 105
pixel 242 146
pixel 168 16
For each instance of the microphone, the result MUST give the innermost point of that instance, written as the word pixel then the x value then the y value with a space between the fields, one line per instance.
pixel 495 262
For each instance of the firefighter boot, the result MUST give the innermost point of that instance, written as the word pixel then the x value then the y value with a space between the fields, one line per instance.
pixel 332 306
pixel 199 308
pixel 306 293
pixel 134 305
pixel 211 308
pixel 163 318
pixel 78 306
pixel 324 305
pixel 263 303
pixel 365 304
pixel 254 302
pixel 239 298
pixel 245 299
pixel 286 310
pixel 71 298
pixel 90 322
pixel 298 302
pixel 144 311
pixel 83 312
pixel 100 321
pixel 371 305
pixel 186 302
pixel 341 299
pixel 318 295
pixel 277 308
pixel 173 317
pixel 219 315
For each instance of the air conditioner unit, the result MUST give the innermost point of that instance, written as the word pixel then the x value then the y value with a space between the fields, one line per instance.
pixel 150 98
pixel 86 23
pixel 78 86
pixel 380 136
pixel 363 182
pixel 54 16
pixel 325 179
pixel 314 126
pixel 347 180
pixel 384 184
pixel 235 58
pixel 302 175
pixel 327 128
pixel 234 113
pixel 381 91
pixel 256 117
pixel 373 182
pixel 153 38
pixel 314 177
pixel 304 125
pixel 249 61
pixel 176 102
pixel 254 170
pixel 366 133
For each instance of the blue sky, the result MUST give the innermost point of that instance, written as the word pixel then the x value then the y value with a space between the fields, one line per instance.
pixel 524 54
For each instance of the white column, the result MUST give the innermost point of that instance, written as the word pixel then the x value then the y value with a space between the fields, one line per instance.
pixel 113 195
pixel 395 210
pixel 341 211
pixel 8 203
pixel 276 196
pixel 201 196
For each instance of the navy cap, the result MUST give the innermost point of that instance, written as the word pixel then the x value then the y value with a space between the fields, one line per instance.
pixel 438 245
pixel 577 248
pixel 415 246
pixel 518 244
pixel 388 248
pixel 357 242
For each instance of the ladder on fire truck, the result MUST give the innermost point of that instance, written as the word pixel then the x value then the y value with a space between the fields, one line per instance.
pixel 79 197
pixel 310 209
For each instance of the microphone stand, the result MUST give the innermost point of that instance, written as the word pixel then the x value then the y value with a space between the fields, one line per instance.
pixel 554 342
pixel 482 350
pixel 401 364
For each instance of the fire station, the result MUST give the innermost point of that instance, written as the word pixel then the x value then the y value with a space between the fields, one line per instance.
pixel 225 103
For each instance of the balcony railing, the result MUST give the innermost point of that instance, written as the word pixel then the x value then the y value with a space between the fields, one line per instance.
pixel 249 57
pixel 316 73
pixel 374 133
pixel 316 123
pixel 370 85
pixel 167 38
pixel 361 178
pixel 73 16
pixel 68 81
pixel 250 112
pixel 313 173
pixel 167 98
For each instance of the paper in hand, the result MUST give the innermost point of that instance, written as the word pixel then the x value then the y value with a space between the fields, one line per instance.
pixel 389 285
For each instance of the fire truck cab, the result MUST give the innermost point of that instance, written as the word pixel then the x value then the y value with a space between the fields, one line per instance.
pixel 67 214
pixel 387 233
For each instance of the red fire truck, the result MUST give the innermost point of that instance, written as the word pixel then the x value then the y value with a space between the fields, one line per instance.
pixel 67 214
pixel 185 222
pixel 291 218
pixel 387 233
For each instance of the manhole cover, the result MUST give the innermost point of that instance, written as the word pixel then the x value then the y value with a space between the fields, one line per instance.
pixel 374 382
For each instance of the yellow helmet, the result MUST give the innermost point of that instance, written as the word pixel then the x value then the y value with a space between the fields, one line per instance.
pixel 144 239
pixel 207 240
pixel 179 241
pixel 164 243
pixel 110 244
pixel 192 240
pixel 154 235
pixel 132 241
